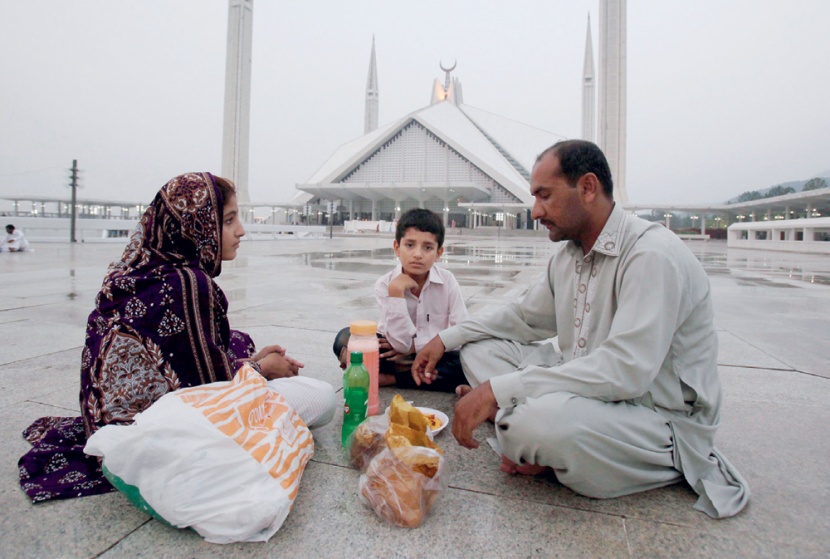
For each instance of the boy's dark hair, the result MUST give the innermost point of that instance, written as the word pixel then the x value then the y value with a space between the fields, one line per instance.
pixel 422 220
pixel 341 340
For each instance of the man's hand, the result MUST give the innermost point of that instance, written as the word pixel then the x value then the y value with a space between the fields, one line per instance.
pixel 401 284
pixel 423 368
pixel 471 411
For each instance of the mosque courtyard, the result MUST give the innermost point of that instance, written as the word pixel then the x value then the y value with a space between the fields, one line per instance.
pixel 771 314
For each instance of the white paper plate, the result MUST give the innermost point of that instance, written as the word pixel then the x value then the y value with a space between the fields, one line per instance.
pixel 439 415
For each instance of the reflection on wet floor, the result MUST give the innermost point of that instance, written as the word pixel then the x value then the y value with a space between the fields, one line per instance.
pixel 496 262
pixel 492 262
pixel 756 268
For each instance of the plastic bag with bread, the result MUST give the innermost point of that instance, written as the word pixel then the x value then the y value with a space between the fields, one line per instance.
pixel 403 480
pixel 367 441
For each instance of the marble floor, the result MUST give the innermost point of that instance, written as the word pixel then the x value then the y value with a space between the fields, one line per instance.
pixel 772 316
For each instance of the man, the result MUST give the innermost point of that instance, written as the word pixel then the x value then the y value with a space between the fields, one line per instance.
pixel 633 401
pixel 15 240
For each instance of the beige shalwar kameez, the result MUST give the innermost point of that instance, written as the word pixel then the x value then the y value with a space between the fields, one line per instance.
pixel 633 401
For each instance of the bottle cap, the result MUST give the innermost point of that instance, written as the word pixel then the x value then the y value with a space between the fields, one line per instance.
pixel 364 327
pixel 356 358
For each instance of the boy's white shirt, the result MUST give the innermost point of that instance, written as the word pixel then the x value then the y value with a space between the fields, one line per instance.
pixel 419 319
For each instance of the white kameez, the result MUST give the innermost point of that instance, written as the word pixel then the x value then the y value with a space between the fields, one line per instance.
pixel 635 325
pixel 15 241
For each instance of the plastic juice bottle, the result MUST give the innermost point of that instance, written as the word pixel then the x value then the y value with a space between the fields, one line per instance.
pixel 356 394
pixel 363 338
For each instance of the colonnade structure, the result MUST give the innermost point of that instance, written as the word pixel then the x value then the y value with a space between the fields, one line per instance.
pixel 798 222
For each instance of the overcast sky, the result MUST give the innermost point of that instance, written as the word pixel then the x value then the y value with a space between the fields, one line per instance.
pixel 723 96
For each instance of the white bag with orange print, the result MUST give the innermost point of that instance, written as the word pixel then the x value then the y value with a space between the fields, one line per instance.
pixel 224 459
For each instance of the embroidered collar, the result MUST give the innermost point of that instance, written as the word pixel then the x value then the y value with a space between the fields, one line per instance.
pixel 610 238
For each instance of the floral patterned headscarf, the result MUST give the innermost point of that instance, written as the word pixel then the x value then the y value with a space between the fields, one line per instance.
pixel 182 226
pixel 160 321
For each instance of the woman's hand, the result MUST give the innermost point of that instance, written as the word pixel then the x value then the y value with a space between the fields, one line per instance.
pixel 275 364
pixel 266 350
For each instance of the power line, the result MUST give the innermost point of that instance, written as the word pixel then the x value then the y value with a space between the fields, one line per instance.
pixel 32 172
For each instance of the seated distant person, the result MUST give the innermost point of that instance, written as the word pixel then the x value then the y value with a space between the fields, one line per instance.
pixel 416 300
pixel 15 240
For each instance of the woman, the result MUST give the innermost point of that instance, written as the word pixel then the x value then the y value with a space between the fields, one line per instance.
pixel 160 323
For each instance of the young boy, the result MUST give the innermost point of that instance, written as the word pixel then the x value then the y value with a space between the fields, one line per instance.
pixel 417 300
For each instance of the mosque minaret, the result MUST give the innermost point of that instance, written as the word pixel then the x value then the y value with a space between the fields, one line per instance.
pixel 237 119
pixel 612 104
pixel 370 119
pixel 588 91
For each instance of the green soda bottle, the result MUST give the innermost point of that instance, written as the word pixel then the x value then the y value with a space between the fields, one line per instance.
pixel 356 395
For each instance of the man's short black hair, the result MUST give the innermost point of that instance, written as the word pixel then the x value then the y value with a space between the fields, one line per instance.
pixel 422 220
pixel 578 157
pixel 9 226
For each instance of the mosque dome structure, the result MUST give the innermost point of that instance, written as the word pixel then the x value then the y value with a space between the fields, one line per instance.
pixel 467 164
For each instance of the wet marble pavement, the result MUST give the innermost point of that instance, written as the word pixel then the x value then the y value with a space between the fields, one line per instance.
pixel 771 313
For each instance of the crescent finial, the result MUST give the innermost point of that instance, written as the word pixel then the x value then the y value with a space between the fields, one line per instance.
pixel 454 64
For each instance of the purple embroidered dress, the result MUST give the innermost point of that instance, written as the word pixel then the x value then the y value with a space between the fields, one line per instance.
pixel 160 323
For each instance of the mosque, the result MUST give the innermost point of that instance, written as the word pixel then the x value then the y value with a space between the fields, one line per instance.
pixel 469 165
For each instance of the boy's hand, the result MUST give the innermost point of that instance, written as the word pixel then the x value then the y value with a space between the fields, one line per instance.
pixel 423 368
pixel 386 349
pixel 401 284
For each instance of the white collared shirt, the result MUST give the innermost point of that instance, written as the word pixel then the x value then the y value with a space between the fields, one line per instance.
pixel 409 320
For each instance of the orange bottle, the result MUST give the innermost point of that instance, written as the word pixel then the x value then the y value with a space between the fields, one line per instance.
pixel 363 338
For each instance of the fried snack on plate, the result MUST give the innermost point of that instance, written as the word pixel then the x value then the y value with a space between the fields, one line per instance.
pixel 399 436
pixel 404 413
pixel 407 426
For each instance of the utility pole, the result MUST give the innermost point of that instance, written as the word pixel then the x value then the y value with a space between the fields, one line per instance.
pixel 73 177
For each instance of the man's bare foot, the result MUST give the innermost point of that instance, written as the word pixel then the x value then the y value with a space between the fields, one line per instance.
pixel 510 467
pixel 385 379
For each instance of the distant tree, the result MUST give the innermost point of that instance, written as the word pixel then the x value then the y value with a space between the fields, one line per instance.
pixel 653 215
pixel 779 191
pixel 750 196
pixel 814 184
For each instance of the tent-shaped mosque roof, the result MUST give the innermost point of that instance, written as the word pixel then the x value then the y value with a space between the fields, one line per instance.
pixel 502 149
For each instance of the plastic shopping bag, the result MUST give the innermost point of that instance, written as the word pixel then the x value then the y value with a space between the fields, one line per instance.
pixel 403 469
pixel 224 458
pixel 401 484
pixel 367 441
